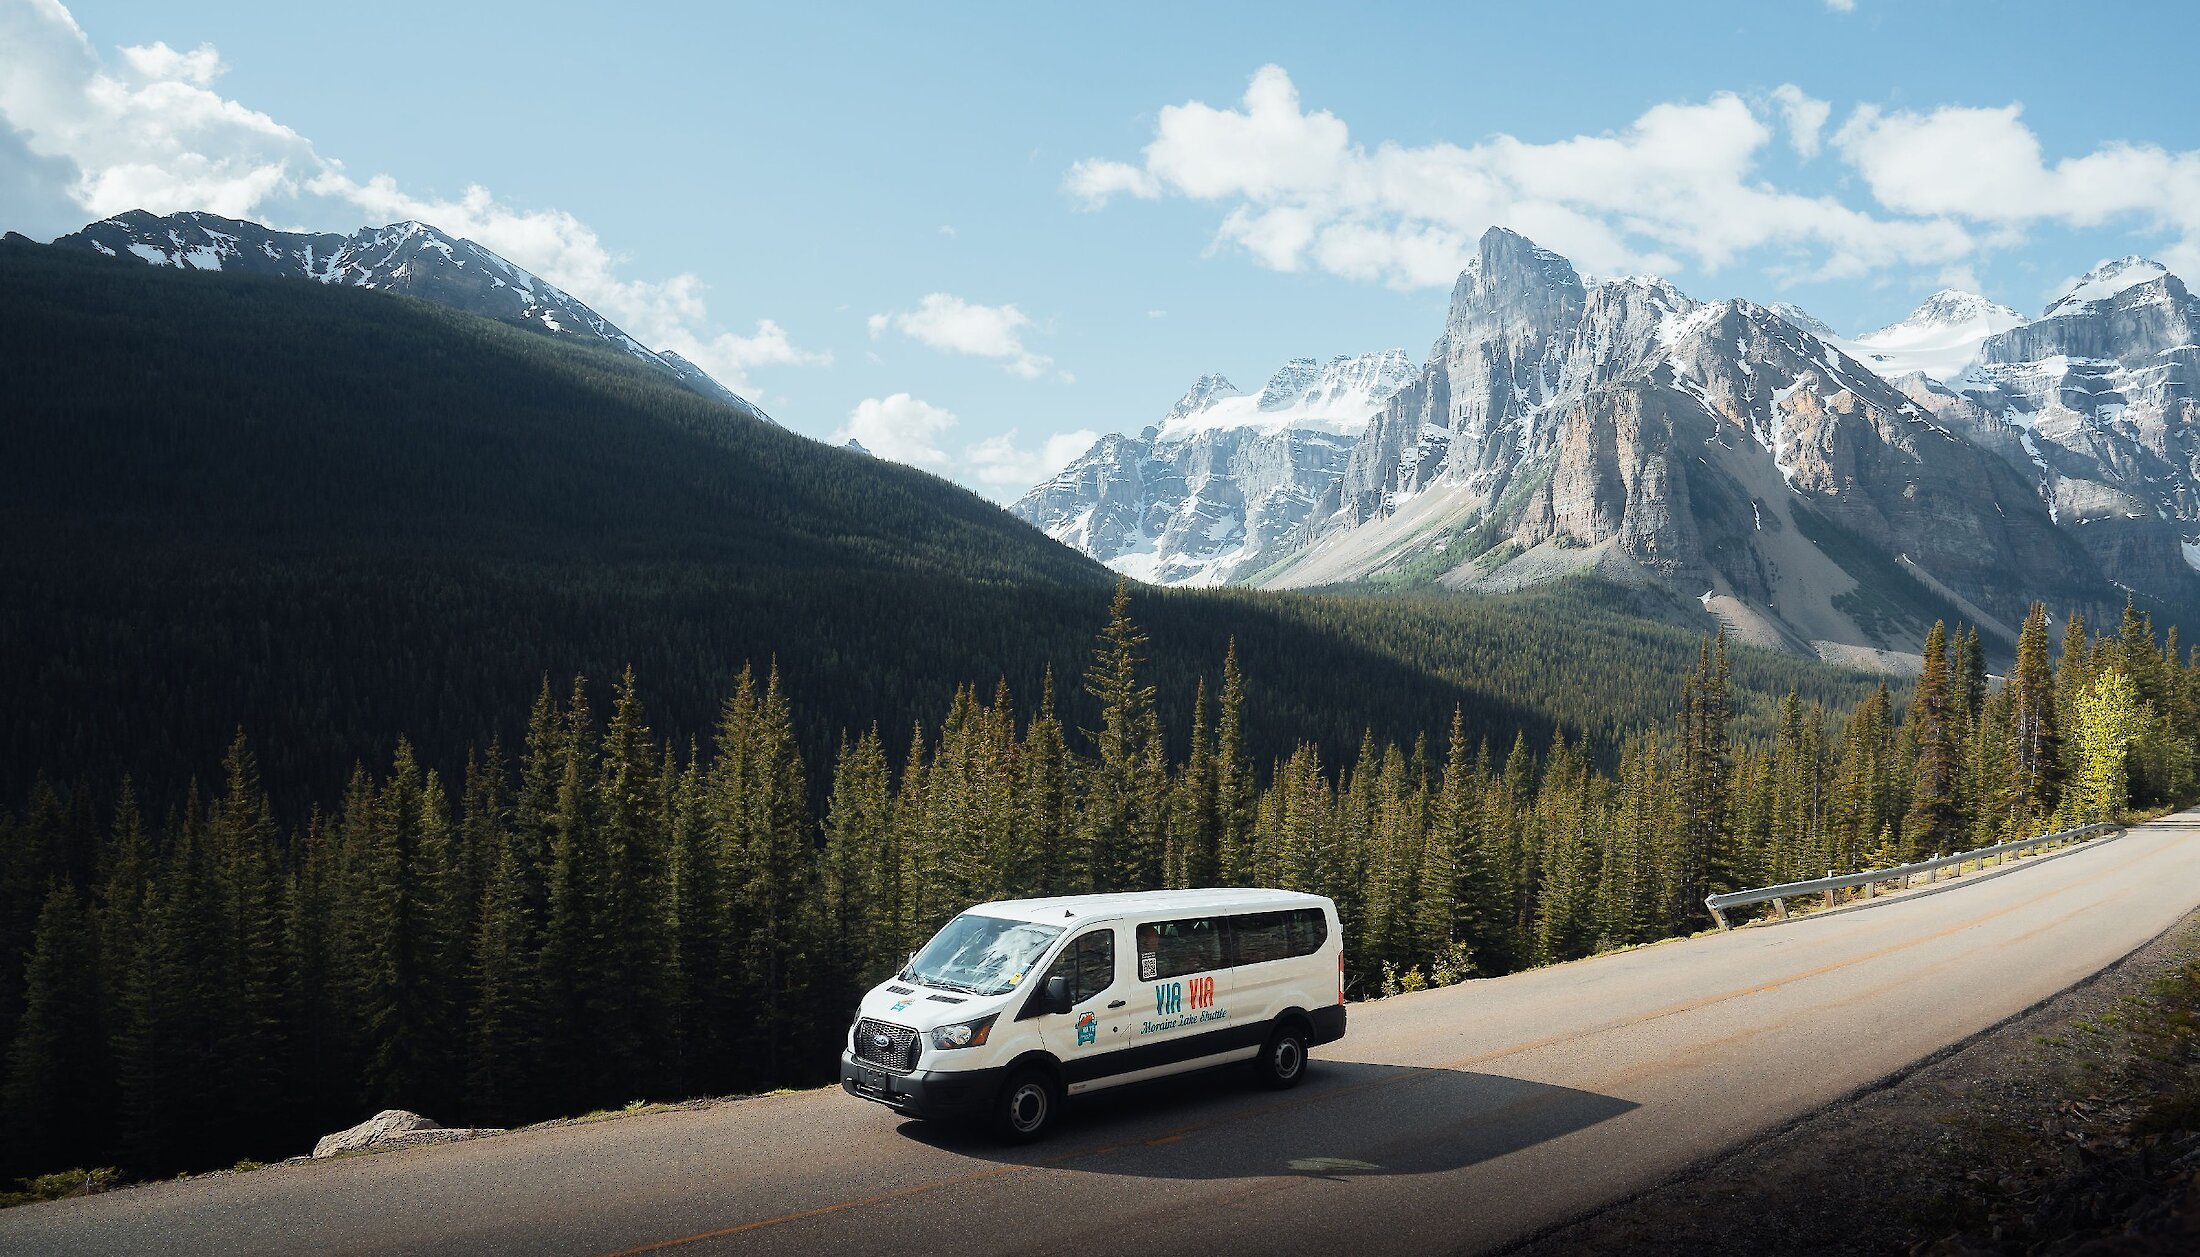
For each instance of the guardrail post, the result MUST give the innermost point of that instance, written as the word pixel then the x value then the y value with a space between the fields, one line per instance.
pixel 1829 890
pixel 1779 909
pixel 1719 917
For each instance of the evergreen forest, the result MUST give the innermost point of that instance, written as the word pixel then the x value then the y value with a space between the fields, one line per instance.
pixel 595 913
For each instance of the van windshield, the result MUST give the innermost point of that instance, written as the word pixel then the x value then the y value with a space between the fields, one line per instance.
pixel 981 955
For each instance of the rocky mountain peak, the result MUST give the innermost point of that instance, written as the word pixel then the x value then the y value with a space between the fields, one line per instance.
pixel 1512 282
pixel 1204 392
pixel 1804 319
pixel 2106 282
pixel 1350 380
pixel 1289 383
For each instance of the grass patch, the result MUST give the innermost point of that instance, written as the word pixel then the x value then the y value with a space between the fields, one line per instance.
pixel 64 1185
pixel 1463 542
pixel 632 1108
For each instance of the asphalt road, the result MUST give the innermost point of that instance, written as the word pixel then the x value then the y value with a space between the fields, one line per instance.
pixel 1453 1120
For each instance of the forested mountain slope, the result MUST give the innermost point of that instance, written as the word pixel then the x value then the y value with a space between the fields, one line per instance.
pixel 334 517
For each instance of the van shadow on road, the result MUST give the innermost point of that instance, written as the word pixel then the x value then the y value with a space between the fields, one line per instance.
pixel 1348 1119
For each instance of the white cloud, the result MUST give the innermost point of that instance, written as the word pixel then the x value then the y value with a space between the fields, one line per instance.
pixel 1987 166
pixel 899 427
pixel 952 325
pixel 1804 115
pixel 1840 6
pixel 1006 469
pixel 151 133
pixel 1677 186
pixel 156 61
pixel 1094 180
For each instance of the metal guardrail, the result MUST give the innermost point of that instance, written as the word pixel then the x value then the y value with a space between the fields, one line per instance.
pixel 1906 874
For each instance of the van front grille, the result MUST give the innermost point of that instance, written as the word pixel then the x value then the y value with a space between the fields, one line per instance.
pixel 890 1047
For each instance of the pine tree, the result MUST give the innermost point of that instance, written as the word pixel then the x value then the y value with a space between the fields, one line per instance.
pixel 1121 793
pixel 56 1097
pixel 1192 824
pixel 2035 755
pixel 630 1022
pixel 1046 793
pixel 2073 675
pixel 404 997
pixel 772 893
pixel 1935 818
pixel 571 959
pixel 1234 787
pixel 506 1017
pixel 1968 679
pixel 252 961
pixel 1703 783
pixel 860 872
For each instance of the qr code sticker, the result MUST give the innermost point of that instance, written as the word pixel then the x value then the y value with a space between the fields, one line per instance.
pixel 1149 967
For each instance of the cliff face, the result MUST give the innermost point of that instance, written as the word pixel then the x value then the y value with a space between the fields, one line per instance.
pixel 1720 449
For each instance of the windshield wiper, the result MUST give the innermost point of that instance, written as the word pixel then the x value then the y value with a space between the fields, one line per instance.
pixel 946 985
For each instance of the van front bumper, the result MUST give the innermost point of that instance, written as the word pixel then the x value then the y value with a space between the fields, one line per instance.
pixel 928 1093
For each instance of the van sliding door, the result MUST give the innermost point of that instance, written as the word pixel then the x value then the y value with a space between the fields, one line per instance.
pixel 1183 969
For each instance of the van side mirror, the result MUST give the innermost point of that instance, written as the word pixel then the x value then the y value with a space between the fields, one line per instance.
pixel 1057 994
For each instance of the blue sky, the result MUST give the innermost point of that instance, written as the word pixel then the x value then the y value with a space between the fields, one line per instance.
pixel 875 219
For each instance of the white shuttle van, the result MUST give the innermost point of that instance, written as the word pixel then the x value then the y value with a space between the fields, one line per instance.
pixel 1012 1006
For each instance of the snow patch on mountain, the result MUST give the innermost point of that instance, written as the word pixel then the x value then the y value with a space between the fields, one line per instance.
pixel 1307 395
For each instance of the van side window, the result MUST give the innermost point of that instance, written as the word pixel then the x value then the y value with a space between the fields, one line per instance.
pixel 1171 949
pixel 1309 930
pixel 1259 937
pixel 1089 964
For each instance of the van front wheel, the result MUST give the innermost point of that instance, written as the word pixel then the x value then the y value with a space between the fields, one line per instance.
pixel 1026 1106
pixel 1282 1061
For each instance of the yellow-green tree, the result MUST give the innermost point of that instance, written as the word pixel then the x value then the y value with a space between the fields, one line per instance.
pixel 2110 723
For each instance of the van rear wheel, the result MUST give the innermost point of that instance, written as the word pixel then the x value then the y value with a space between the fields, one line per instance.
pixel 1282 1060
pixel 1026 1106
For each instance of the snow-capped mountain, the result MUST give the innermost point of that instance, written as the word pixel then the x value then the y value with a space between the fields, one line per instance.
pixel 1211 493
pixel 2102 393
pixel 1824 494
pixel 1940 338
pixel 2104 283
pixel 410 258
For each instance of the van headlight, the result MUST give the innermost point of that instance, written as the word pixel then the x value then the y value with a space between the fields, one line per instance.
pixel 963 1034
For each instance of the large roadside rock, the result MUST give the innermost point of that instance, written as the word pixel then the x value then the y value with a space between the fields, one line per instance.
pixel 393 1128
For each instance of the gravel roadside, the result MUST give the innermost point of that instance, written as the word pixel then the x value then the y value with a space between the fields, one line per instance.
pixel 2071 1127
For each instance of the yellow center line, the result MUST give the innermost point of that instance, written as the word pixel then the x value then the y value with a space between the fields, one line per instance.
pixel 1406 1074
